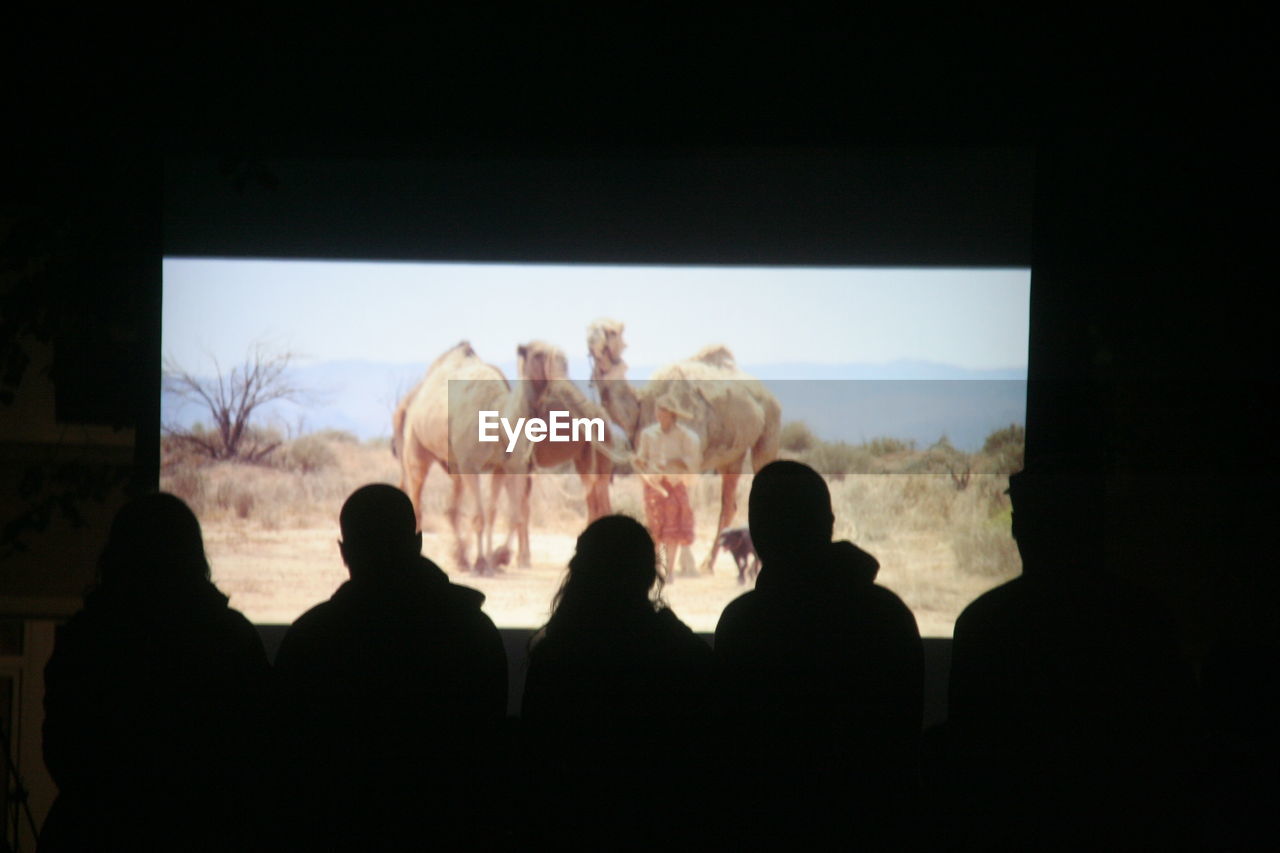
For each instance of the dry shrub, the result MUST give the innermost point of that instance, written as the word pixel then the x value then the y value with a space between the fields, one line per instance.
pixel 186 482
pixel 1004 450
pixel 885 446
pixel 987 549
pixel 884 506
pixel 177 454
pixel 982 530
pixel 335 436
pixel 796 437
pixel 839 459
pixel 304 487
pixel 251 493
pixel 1014 435
pixel 308 454
pixel 232 495
pixel 940 458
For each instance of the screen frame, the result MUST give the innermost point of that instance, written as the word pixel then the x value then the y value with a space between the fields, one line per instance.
pixel 892 207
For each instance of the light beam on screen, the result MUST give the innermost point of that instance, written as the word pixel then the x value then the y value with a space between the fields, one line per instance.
pixel 906 387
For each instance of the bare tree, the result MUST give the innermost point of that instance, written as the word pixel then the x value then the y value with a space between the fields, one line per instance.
pixel 231 399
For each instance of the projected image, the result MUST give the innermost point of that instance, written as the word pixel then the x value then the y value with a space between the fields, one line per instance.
pixel 290 383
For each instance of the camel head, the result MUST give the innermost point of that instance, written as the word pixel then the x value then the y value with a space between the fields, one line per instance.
pixel 605 344
pixel 538 362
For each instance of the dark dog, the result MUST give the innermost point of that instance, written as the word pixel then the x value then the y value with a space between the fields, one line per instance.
pixel 738 543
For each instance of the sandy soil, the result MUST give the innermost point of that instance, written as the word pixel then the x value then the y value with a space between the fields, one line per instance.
pixel 273 576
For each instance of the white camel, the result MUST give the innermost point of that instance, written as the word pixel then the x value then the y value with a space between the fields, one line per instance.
pixel 438 423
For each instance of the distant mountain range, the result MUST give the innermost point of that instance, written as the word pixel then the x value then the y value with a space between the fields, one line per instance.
pixel 909 400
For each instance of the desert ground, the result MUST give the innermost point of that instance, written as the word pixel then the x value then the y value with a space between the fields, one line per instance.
pixel 271 530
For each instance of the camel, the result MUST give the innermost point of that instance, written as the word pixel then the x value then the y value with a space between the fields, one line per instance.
pixel 733 413
pixel 427 430
pixel 545 368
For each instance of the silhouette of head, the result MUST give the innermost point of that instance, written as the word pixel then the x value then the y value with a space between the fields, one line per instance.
pixel 614 567
pixel 1057 510
pixel 789 511
pixel 155 541
pixel 379 530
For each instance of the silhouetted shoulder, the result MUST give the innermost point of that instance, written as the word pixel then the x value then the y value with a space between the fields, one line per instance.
pixel 423 589
pixel 408 633
pixel 678 633
pixel 860 607
pixel 980 612
pixel 1080 608
pixel 658 639
pixel 886 601
pixel 466 598
pixel 178 634
pixel 741 608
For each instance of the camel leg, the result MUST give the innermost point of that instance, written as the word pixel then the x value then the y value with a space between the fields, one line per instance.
pixel 582 464
pixel 516 488
pixel 490 518
pixel 475 497
pixel 521 494
pixel 594 484
pixel 455 523
pixel 413 473
pixel 603 468
pixel 765 450
pixel 500 488
pixel 728 509
pixel 599 500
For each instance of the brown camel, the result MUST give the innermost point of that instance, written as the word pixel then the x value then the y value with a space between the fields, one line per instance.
pixel 438 423
pixel 732 413
pixel 545 368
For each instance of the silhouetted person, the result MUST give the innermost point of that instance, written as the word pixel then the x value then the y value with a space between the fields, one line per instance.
pixel 619 704
pixel 391 694
pixel 669 453
pixel 153 699
pixel 1069 701
pixel 825 670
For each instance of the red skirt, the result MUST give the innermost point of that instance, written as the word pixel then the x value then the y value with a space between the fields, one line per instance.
pixel 669 517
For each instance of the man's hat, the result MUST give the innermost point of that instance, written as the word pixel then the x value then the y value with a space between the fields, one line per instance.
pixel 669 402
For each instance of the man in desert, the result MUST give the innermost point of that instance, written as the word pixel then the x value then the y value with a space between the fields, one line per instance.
pixel 669 455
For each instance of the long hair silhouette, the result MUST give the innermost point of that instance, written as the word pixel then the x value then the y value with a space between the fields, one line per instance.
pixel 613 574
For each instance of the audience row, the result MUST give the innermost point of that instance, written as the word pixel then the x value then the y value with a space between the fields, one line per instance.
pixel 382 723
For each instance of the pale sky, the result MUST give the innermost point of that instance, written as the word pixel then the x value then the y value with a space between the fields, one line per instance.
pixel 411 312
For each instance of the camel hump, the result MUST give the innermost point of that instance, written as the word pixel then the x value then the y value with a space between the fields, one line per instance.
pixel 461 348
pixel 717 355
pixel 457 352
